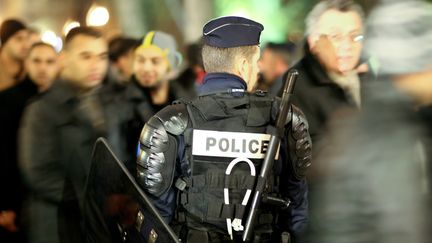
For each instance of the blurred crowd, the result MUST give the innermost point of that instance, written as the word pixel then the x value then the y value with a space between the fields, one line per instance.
pixel 365 86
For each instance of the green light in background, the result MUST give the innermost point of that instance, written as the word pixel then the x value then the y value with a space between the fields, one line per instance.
pixel 278 19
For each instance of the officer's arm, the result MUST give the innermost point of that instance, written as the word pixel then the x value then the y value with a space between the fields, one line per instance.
pixel 158 149
pixel 38 153
pixel 299 144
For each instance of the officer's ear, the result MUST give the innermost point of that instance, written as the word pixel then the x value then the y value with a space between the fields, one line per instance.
pixel 243 68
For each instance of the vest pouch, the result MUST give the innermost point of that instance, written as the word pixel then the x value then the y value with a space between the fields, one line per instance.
pixel 206 195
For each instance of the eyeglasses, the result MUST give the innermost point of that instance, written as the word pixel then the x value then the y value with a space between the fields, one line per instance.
pixel 338 37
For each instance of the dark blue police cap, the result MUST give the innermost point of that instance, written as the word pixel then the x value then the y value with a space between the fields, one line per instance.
pixel 232 31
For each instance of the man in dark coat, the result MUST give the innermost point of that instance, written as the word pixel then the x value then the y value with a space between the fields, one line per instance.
pixel 14 94
pixel 12 103
pixel 57 136
pixel 328 78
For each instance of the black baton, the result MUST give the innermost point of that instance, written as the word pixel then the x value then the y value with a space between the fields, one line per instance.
pixel 275 138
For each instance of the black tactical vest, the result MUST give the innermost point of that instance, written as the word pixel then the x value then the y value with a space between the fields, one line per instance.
pixel 240 117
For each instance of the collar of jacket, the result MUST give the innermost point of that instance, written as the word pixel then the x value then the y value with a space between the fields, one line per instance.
pixel 221 82
pixel 137 93
pixel 134 91
pixel 314 67
pixel 64 92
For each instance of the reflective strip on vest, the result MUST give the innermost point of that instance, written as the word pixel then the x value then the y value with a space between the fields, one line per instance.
pixel 237 223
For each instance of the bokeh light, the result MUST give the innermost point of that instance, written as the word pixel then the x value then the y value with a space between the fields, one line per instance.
pixel 69 25
pixel 97 16
pixel 51 38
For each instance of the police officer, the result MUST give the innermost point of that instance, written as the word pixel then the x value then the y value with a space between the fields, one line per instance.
pixel 198 159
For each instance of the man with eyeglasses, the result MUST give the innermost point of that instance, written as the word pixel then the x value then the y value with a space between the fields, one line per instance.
pixel 329 77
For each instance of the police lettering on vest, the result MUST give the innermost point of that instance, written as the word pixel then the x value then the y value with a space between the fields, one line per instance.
pixel 230 144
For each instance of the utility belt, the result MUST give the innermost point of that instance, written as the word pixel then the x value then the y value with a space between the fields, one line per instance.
pixel 192 235
pixel 196 235
pixel 190 229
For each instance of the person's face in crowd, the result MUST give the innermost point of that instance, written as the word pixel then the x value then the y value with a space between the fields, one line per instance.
pixel 86 61
pixel 18 45
pixel 269 65
pixel 248 69
pixel 344 30
pixel 42 66
pixel 125 64
pixel 151 66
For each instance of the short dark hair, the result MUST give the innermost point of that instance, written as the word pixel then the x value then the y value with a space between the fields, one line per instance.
pixel 40 43
pixel 285 50
pixel 218 59
pixel 120 46
pixel 193 53
pixel 81 30
pixel 9 28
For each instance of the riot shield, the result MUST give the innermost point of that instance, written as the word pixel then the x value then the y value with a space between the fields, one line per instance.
pixel 115 208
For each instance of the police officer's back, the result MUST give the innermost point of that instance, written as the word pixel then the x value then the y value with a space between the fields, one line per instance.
pixel 199 159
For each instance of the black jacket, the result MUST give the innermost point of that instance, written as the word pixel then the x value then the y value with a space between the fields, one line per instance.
pixel 12 103
pixel 56 142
